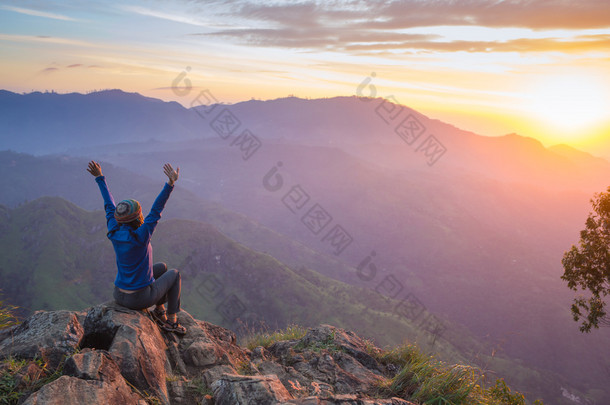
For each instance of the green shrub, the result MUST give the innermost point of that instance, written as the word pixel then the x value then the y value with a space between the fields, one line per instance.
pixel 9 394
pixel 14 385
pixel 503 395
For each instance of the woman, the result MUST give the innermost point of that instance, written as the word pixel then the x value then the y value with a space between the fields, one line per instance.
pixel 139 284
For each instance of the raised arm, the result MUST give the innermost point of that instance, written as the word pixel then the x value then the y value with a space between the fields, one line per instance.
pixel 95 169
pixel 146 230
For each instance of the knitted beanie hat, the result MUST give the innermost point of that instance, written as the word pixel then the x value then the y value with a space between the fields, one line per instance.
pixel 127 211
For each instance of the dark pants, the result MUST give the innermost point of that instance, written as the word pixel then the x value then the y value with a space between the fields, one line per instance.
pixel 165 288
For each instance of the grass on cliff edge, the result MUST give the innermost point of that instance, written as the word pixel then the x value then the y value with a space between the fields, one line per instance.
pixel 7 315
pixel 267 338
pixel 425 380
pixel 418 377
pixel 20 377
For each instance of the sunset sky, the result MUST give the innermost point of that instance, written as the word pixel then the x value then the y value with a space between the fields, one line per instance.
pixel 538 68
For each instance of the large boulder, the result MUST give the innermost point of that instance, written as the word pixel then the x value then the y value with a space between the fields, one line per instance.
pixel 234 389
pixel 51 336
pixel 71 390
pixel 206 345
pixel 346 341
pixel 90 377
pixel 326 361
pixel 93 365
pixel 134 342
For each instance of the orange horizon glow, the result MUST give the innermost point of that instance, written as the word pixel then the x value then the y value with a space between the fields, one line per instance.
pixel 545 79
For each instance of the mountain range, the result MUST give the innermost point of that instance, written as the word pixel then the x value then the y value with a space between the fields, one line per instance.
pixel 475 233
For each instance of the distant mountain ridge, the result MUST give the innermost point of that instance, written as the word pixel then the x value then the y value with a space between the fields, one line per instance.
pixel 43 123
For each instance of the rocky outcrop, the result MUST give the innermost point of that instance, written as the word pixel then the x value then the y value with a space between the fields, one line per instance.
pixel 134 342
pixel 238 389
pixel 110 354
pixel 72 390
pixel 46 335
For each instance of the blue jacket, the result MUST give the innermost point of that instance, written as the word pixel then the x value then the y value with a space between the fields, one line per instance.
pixel 134 255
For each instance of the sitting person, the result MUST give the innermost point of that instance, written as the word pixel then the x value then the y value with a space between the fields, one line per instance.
pixel 139 284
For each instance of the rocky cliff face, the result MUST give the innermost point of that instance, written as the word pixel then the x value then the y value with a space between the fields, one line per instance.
pixel 113 355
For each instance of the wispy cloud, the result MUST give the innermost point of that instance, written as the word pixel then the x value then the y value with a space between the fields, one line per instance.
pixel 49 70
pixel 328 38
pixel 534 14
pixel 383 14
pixel 522 45
pixel 372 26
pixel 56 68
pixel 38 13
pixel 387 41
pixel 159 14
pixel 178 18
pixel 44 39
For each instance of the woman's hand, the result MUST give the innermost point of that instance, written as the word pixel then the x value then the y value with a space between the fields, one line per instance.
pixel 171 174
pixel 95 169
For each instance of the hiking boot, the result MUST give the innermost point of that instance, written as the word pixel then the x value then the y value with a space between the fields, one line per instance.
pixel 174 327
pixel 159 316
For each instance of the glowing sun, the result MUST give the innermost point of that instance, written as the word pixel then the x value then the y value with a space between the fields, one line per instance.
pixel 569 103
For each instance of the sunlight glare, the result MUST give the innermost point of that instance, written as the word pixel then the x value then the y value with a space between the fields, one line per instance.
pixel 569 103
